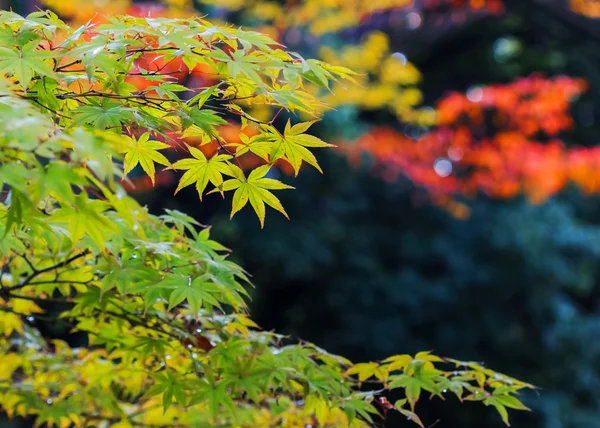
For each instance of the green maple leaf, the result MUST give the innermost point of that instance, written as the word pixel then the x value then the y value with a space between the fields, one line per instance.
pixel 254 189
pixel 254 38
pixel 206 120
pixel 102 60
pixel 201 170
pixel 292 146
pixel 203 96
pixel 87 217
pixel 410 415
pixel 241 63
pixel 195 291
pixel 25 62
pixel 107 114
pixel 170 386
pixel 145 152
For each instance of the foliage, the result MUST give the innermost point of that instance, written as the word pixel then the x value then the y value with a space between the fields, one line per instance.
pixel 248 72
pixel 384 79
pixel 370 265
pixel 162 310
pixel 369 269
pixel 387 81
pixel 317 16
pixel 501 140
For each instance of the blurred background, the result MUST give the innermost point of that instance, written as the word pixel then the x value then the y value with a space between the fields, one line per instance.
pixel 459 212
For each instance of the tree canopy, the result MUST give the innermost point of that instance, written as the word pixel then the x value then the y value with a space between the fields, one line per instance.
pixel 160 310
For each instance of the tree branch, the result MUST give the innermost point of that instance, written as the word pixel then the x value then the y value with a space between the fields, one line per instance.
pixel 36 272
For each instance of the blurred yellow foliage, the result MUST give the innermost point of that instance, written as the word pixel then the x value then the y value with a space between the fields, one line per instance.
pixel 10 323
pixel 323 16
pixel 83 11
pixel 387 80
pixel 320 16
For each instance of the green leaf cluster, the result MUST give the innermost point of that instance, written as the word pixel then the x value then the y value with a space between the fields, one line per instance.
pixel 163 309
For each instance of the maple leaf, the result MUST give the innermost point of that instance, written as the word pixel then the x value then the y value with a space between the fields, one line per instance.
pixel 258 144
pixel 254 38
pixel 107 114
pixel 254 189
pixel 86 218
pixel 25 62
pixel 201 170
pixel 166 383
pixel 292 146
pixel 145 152
pixel 196 292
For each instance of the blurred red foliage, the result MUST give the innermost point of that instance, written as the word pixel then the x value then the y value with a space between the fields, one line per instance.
pixel 501 140
pixel 492 6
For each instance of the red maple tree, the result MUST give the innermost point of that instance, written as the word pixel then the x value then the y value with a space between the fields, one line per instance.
pixel 502 140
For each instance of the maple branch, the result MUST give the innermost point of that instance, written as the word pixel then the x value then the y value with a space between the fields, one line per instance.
pixel 94 93
pixel 60 281
pixel 275 117
pixel 62 67
pixel 38 299
pixel 171 268
pixel 36 272
pixel 127 316
pixel 35 100
pixel 5 269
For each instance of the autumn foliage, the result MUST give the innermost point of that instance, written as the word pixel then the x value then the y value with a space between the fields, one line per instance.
pixel 502 140
pixel 163 312
pixel 492 6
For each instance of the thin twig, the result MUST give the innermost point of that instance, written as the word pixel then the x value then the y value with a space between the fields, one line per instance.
pixel 36 272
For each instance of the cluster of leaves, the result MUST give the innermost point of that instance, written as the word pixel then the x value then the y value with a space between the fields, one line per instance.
pixel 500 139
pixel 385 81
pixel 249 68
pixel 163 312
pixel 391 80
pixel 317 16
